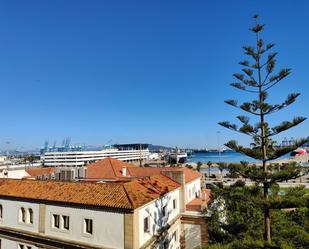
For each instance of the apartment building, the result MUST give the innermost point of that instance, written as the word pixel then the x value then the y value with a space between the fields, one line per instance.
pixel 139 213
pixel 110 169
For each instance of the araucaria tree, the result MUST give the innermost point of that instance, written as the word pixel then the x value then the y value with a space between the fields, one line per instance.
pixel 258 76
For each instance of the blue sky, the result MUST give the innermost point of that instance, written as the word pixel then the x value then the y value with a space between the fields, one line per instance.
pixel 138 71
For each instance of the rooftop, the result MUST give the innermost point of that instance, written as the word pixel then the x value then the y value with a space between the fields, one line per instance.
pixel 109 168
pixel 129 195
pixel 34 172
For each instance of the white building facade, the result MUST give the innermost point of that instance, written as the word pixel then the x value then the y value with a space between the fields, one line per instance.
pixel 81 158
pixel 156 223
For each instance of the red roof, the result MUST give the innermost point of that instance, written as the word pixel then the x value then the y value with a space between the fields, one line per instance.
pixel 34 172
pixel 129 195
pixel 107 168
pixel 112 169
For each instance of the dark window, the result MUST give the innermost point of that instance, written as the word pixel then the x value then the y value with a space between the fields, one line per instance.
pixel 22 215
pixel 89 226
pixel 174 204
pixel 1 213
pixel 146 224
pixel 175 236
pixel 166 244
pixel 164 211
pixel 30 216
pixel 56 220
pixel 66 222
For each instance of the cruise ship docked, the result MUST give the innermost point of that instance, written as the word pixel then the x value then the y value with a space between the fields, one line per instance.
pixel 124 152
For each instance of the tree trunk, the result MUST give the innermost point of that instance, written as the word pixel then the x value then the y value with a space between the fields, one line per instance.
pixel 267 234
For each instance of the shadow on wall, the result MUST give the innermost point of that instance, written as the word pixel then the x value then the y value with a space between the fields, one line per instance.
pixel 159 216
pixel 192 235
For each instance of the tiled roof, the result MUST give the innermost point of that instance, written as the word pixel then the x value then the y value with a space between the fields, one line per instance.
pixel 107 168
pixel 146 189
pixel 34 172
pixel 190 174
pixel 195 205
pixel 111 169
pixel 128 195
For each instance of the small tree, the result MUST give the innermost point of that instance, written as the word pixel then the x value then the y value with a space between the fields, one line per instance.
pixel 198 166
pixel 209 164
pixel 221 167
pixel 259 77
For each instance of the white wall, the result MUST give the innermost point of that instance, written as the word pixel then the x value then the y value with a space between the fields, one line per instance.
pixel 12 244
pixel 14 174
pixel 173 237
pixel 154 211
pixel 10 215
pixel 192 188
pixel 108 227
pixel 192 235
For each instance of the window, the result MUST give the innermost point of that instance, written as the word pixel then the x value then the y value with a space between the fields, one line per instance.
pixel 88 226
pixel 22 215
pixel 146 224
pixel 30 215
pixel 175 235
pixel 1 212
pixel 66 222
pixel 56 221
pixel 164 211
pixel 22 246
pixel 174 204
pixel 166 244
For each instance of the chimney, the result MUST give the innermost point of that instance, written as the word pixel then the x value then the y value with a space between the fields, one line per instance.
pixel 124 171
pixel 179 176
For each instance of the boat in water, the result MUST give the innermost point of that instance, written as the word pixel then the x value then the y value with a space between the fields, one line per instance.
pixel 298 152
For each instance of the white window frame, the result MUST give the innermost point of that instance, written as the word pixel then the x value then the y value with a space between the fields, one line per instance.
pixel 53 221
pixel 22 215
pixel 85 226
pixel 30 216
pixel 63 222
pixel 24 246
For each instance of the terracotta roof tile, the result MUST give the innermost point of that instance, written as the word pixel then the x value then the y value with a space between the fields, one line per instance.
pixel 110 168
pixel 34 172
pixel 195 205
pixel 107 168
pixel 144 190
pixel 190 174
pixel 128 195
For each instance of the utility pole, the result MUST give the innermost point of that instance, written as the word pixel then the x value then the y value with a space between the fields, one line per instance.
pixel 219 149
pixel 140 155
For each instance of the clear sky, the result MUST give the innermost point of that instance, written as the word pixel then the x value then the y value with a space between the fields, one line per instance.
pixel 138 71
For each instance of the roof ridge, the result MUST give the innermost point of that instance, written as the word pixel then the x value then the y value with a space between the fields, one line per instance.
pixel 161 173
pixel 125 191
pixel 109 160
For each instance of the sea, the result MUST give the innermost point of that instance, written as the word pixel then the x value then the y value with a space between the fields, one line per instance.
pixel 226 156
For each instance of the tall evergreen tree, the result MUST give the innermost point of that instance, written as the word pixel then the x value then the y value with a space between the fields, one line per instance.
pixel 258 77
